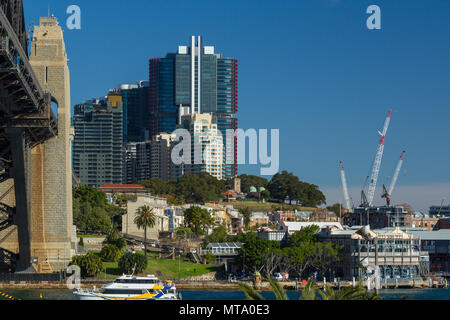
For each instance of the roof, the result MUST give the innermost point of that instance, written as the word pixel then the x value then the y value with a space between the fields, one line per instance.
pixel 121 186
pixel 297 226
pixel 224 245
pixel 443 234
pixel 229 193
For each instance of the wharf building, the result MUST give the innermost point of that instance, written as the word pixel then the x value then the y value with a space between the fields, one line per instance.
pixel 98 153
pixel 397 253
pixel 437 244
pixel 195 80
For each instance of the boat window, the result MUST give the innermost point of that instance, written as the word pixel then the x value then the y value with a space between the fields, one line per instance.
pixel 124 291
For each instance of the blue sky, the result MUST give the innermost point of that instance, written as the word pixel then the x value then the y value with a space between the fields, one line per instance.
pixel 309 68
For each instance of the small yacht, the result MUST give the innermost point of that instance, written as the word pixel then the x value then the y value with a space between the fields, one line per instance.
pixel 129 287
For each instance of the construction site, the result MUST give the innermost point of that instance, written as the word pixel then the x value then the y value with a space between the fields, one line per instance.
pixel 377 217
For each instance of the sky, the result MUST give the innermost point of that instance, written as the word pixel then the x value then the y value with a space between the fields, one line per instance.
pixel 311 69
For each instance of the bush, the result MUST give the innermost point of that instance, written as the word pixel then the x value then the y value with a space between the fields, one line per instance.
pixel 90 264
pixel 130 260
pixel 110 253
pixel 210 258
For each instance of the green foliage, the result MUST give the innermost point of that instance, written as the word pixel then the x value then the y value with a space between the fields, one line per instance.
pixel 308 234
pixel 190 188
pixel 197 219
pixel 81 243
pixel 246 213
pixel 110 253
pixel 248 181
pixel 210 258
pixel 115 239
pixel 90 264
pixel 310 292
pixel 91 211
pixel 132 260
pixel 145 218
pixel 158 187
pixel 218 235
pixel 252 254
pixel 285 186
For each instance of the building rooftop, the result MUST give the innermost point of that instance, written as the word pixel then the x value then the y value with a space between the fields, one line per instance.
pixel 443 234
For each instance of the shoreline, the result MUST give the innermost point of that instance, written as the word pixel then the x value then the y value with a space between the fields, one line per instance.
pixel 211 285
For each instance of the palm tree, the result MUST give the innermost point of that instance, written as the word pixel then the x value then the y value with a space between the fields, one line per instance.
pixel 310 292
pixel 145 218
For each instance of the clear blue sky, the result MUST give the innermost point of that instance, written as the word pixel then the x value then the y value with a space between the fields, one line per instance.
pixel 309 68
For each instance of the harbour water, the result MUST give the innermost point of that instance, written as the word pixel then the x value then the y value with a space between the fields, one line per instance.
pixel 390 294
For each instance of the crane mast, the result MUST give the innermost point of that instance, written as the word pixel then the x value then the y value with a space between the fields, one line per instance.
pixel 377 162
pixel 344 186
pixel 397 172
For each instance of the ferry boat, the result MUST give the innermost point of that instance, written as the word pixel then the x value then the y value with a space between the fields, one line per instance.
pixel 129 287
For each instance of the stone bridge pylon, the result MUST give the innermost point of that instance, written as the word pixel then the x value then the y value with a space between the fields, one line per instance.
pixel 52 238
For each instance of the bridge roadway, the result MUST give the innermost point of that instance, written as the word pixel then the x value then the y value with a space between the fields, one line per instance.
pixel 26 120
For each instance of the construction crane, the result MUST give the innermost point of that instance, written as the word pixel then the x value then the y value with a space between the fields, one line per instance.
pixel 377 162
pixel 344 186
pixel 387 193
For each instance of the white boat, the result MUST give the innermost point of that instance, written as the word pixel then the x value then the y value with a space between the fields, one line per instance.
pixel 128 287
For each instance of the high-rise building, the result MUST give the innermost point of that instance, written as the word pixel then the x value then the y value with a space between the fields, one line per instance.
pixel 206 148
pixel 195 80
pixel 98 153
pixel 135 111
pixel 149 160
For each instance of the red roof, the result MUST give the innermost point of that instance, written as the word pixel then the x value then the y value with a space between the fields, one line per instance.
pixel 121 186
pixel 230 192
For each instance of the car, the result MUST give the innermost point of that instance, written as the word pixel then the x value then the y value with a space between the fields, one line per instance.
pixel 277 276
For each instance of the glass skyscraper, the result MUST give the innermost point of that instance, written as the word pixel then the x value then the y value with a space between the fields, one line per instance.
pixel 195 80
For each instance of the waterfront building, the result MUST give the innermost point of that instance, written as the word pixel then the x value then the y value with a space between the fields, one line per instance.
pixel 158 206
pixel 195 80
pixel 442 211
pixel 397 253
pixel 437 244
pixel 273 235
pixel 98 154
pixel 206 148
pixel 135 111
pixel 377 217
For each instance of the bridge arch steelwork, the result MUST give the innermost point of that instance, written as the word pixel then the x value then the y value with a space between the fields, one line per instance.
pixel 26 120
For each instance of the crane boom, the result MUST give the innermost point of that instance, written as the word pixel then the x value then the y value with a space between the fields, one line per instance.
pixel 377 162
pixel 344 186
pixel 397 172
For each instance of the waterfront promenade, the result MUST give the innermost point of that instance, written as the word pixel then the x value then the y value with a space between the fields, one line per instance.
pixel 224 285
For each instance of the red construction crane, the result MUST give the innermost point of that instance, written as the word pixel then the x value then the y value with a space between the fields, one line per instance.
pixel 377 162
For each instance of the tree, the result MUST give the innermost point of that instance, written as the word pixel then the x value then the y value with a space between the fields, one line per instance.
pixel 158 187
pixel 253 254
pixel 130 262
pixel 246 213
pixel 89 264
pixel 145 218
pixel 197 219
pixel 248 181
pixel 308 234
pixel 110 253
pixel 219 234
pixel 310 292
pixel 286 186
